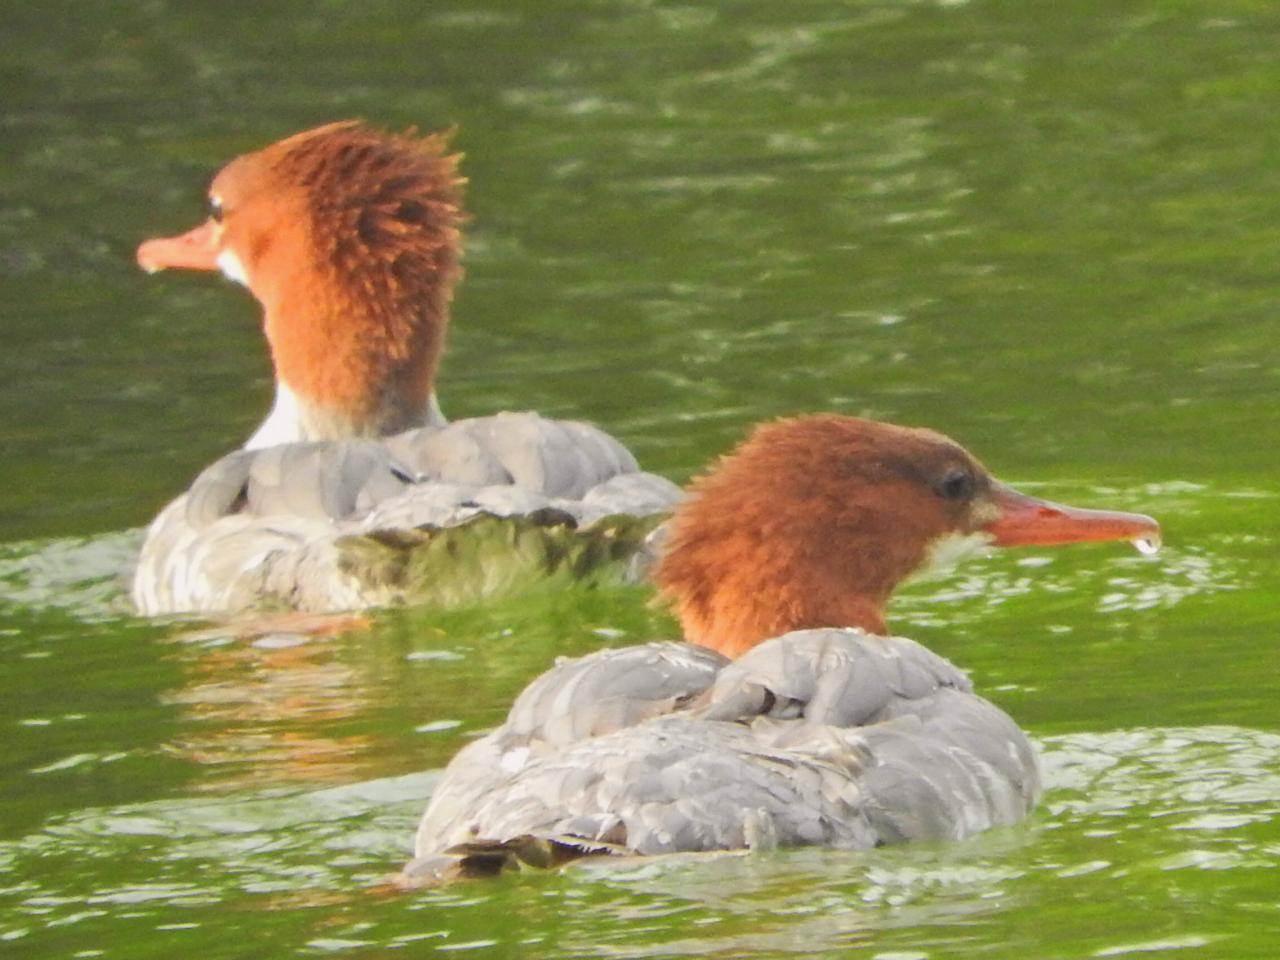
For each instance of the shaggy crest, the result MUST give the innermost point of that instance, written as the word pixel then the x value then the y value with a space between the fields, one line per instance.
pixel 356 317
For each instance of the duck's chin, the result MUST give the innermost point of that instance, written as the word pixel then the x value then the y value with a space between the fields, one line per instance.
pixel 946 551
pixel 232 268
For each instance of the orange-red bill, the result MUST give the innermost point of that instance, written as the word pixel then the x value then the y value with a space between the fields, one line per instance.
pixel 1027 521
pixel 194 250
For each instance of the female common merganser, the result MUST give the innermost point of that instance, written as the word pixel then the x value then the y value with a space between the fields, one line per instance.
pixel 349 238
pixel 831 732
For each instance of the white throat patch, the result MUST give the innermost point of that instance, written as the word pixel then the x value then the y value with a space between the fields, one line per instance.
pixel 947 550
pixel 232 268
pixel 283 424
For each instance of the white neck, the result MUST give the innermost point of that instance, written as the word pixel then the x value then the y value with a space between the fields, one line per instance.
pixel 284 423
pixel 435 416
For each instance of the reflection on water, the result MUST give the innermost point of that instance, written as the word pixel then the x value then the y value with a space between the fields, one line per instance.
pixel 260 705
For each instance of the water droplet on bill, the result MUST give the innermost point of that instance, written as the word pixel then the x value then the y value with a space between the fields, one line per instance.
pixel 1147 546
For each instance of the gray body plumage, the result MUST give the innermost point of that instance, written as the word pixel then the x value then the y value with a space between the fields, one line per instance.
pixel 273 525
pixel 832 737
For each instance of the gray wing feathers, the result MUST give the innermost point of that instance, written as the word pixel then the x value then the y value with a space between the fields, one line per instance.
pixel 982 744
pixel 245 508
pixel 609 690
pixel 448 455
pixel 964 770
pixel 575 700
pixel 831 737
pixel 669 785
pixel 333 481
pixel 238 561
pixel 839 677
pixel 219 490
pixel 637 493
pixel 557 458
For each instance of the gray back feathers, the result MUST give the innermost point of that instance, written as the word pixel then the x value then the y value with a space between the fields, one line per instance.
pixel 263 526
pixel 832 737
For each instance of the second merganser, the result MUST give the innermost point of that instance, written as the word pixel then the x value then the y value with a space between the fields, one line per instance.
pixel 824 729
pixel 350 240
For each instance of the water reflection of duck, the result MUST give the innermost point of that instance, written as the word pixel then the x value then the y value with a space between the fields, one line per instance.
pixel 349 238
pixel 829 733
pixel 270 709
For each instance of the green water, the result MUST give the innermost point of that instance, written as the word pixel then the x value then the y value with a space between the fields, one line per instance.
pixel 1048 229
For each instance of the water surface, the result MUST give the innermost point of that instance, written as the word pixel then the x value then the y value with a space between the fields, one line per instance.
pixel 1049 230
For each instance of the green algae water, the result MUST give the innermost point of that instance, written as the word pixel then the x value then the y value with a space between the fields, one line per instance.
pixel 1049 230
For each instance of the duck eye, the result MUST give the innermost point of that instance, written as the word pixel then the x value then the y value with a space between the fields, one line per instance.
pixel 956 484
pixel 215 209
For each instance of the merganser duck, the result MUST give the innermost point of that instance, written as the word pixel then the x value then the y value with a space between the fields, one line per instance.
pixel 831 733
pixel 349 238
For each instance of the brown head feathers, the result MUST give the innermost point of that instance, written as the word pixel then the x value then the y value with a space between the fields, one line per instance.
pixel 813 521
pixel 350 239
